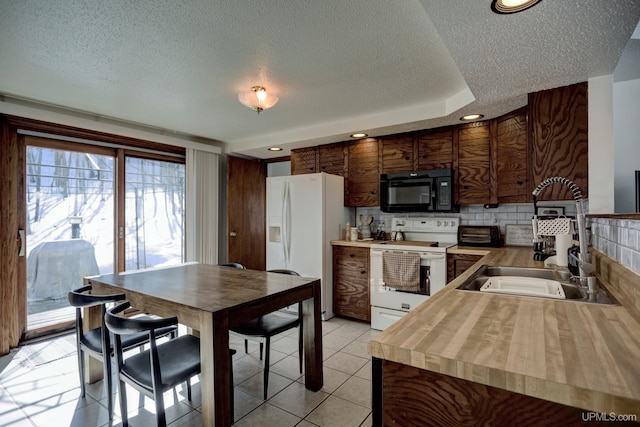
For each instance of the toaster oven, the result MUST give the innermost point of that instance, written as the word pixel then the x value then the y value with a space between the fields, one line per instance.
pixel 479 235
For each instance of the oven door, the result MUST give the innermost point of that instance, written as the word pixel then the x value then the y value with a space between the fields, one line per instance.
pixel 433 266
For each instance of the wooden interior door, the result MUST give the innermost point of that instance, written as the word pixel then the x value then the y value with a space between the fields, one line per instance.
pixel 246 212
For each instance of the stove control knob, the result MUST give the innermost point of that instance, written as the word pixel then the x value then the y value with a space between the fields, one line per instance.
pixel 439 223
pixel 446 223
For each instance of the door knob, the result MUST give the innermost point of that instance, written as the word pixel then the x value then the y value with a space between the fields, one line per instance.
pixel 233 234
pixel 21 239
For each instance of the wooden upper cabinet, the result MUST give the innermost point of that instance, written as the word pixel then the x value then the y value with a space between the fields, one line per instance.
pixel 494 161
pixel 511 158
pixel 364 178
pixel 473 164
pixel 558 130
pixel 397 153
pixel 435 148
pixel 304 160
pixel 332 158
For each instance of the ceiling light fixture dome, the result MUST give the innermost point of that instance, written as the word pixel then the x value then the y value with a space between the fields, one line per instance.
pixel 257 99
pixel 512 6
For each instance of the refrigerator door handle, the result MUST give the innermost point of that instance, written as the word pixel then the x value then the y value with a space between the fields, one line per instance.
pixel 285 223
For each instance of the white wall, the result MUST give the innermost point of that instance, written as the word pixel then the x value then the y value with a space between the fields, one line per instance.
pixel 601 164
pixel 626 119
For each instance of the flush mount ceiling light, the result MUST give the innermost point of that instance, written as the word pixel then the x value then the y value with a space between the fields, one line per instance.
pixel 359 135
pixel 512 6
pixel 257 99
pixel 470 117
pixel 274 149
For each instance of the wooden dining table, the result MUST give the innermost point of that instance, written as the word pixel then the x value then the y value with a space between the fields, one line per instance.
pixel 211 299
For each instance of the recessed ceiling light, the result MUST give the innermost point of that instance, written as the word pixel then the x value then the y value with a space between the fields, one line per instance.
pixel 470 117
pixel 274 149
pixel 359 135
pixel 512 6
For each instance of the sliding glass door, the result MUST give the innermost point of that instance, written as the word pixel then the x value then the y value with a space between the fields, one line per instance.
pixel 70 225
pixel 95 210
pixel 154 213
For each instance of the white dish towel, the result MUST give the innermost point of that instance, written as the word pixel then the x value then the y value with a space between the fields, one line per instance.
pixel 401 270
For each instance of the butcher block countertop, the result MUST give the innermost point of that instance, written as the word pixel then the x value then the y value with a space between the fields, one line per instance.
pixel 574 353
pixel 355 243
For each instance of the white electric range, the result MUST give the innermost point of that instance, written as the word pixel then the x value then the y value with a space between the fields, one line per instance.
pixel 430 237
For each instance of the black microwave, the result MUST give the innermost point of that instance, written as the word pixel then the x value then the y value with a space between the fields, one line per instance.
pixel 419 191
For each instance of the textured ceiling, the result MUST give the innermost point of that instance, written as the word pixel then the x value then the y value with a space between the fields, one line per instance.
pixel 338 66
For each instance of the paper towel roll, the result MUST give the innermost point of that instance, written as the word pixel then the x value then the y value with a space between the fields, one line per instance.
pixel 563 243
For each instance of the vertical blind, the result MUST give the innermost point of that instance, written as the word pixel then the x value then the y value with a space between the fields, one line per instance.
pixel 202 206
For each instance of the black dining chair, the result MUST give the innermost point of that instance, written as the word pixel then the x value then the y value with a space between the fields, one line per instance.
pixel 154 371
pixel 232 264
pixel 94 341
pixel 269 325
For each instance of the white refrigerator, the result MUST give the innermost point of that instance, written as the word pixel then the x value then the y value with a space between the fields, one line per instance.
pixel 304 213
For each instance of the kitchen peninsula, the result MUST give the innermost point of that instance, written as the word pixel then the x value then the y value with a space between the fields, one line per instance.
pixel 471 357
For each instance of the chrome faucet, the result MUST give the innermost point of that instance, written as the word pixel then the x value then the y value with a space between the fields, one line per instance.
pixel 586 274
pixel 584 260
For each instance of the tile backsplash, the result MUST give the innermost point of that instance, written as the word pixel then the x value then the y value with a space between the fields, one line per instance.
pixel 508 213
pixel 619 239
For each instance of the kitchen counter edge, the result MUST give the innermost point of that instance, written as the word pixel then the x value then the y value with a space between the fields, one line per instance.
pixel 573 369
pixel 356 243
pixel 467 250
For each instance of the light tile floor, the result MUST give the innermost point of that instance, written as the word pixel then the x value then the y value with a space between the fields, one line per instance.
pixel 39 386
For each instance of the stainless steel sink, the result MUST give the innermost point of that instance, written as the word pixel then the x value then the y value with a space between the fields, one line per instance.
pixel 540 273
pixel 572 291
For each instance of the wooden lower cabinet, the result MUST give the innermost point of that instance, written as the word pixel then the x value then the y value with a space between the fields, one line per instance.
pixel 459 263
pixel 406 396
pixel 351 282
